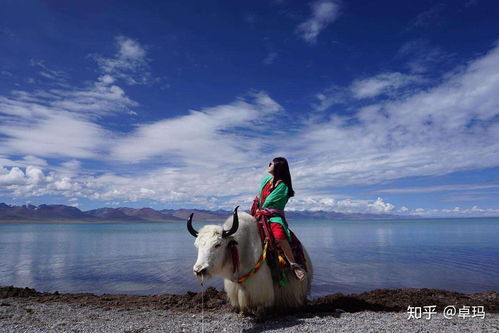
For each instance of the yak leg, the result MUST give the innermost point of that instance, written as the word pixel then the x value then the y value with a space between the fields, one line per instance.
pixel 259 290
pixel 255 295
pixel 244 300
pixel 231 289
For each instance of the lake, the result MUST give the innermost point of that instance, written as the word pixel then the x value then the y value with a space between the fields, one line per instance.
pixel 348 256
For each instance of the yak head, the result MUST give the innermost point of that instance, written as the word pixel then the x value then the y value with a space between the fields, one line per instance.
pixel 212 243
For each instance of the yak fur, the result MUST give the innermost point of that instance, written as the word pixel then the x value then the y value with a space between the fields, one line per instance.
pixel 258 294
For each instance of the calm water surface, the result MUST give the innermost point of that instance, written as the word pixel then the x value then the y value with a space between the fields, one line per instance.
pixel 348 256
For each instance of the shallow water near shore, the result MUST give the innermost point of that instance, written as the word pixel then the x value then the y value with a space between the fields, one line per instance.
pixel 348 256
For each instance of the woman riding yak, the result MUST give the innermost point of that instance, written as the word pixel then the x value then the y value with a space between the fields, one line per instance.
pixel 275 190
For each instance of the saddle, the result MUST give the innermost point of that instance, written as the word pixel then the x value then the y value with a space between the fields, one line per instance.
pixel 276 259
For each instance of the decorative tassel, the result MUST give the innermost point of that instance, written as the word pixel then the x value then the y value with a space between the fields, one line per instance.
pixel 234 254
pixel 282 261
pixel 283 282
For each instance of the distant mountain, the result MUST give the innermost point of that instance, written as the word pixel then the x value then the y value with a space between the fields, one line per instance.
pixel 68 213
pixel 108 214
pixel 41 212
pixel 131 214
pixel 45 213
pixel 200 214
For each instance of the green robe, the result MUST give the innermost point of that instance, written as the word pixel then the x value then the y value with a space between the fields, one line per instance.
pixel 277 199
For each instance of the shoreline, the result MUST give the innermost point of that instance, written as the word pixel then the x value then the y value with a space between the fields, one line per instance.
pixel 385 300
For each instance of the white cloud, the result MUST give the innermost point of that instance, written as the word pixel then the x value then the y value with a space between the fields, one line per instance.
pixel 130 49
pixel 381 207
pixel 48 73
pixel 60 122
pixel 24 162
pixel 34 175
pixel 216 156
pixel 448 128
pixel 403 209
pixel 100 99
pixel 96 100
pixel 64 184
pixel 329 97
pixel 33 160
pixel 324 12
pixel 72 164
pixel 316 202
pixel 56 135
pixel 208 145
pixel 382 84
pixel 474 196
pixel 12 176
pixel 106 79
pixel 17 178
pixel 439 188
pixel 390 84
pixel 425 133
pixel 207 137
pixel 458 212
pixel 130 62
pixel 420 56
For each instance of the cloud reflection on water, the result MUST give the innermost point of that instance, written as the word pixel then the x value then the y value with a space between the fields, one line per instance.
pixel 353 256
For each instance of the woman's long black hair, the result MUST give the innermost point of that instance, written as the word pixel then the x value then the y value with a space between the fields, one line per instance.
pixel 281 172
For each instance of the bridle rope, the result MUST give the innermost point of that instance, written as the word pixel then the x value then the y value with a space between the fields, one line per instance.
pixel 258 264
pixel 202 303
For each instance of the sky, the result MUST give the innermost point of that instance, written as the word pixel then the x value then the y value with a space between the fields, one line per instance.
pixel 381 107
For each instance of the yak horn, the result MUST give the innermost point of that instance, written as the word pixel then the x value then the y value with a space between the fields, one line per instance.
pixel 190 228
pixel 235 224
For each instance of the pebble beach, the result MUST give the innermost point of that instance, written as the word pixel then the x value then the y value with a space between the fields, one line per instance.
pixel 26 310
pixel 20 316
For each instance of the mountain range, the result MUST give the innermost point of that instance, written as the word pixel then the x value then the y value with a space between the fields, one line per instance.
pixel 63 213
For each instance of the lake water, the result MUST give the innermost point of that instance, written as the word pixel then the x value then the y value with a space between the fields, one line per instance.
pixel 348 256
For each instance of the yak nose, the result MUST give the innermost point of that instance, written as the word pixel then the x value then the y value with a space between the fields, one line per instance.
pixel 200 270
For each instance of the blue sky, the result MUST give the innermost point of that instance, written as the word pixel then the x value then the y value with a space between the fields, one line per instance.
pixel 380 107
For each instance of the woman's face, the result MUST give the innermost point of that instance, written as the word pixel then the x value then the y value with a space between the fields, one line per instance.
pixel 271 168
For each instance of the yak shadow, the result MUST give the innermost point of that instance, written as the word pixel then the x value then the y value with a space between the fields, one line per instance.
pixel 317 308
pixel 345 303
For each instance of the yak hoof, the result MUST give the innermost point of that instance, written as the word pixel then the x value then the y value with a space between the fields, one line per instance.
pixel 260 314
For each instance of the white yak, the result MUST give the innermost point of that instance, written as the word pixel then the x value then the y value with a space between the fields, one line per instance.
pixel 258 293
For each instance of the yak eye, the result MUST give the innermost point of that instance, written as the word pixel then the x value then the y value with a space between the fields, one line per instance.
pixel 218 245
